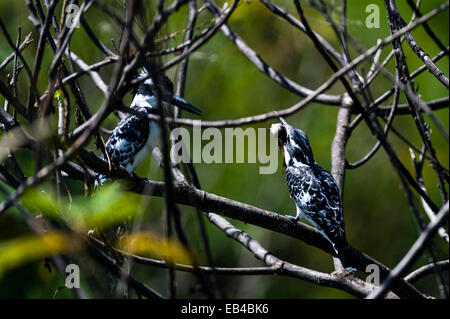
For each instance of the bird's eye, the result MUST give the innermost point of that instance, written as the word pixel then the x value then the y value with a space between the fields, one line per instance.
pixel 282 134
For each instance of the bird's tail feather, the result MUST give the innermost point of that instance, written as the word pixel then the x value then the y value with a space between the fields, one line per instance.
pixel 341 251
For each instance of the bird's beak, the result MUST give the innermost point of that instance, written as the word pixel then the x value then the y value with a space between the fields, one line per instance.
pixel 283 121
pixel 185 105
pixel 285 130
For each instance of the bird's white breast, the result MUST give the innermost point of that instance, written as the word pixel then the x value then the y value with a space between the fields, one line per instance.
pixel 152 141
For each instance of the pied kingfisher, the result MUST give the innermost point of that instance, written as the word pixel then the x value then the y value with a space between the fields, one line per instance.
pixel 313 189
pixel 134 137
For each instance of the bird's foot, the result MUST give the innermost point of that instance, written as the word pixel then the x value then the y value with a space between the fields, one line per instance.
pixel 140 179
pixel 350 269
pixel 294 219
pixel 345 272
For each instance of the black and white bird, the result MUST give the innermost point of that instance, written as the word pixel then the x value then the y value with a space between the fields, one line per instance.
pixel 313 189
pixel 134 137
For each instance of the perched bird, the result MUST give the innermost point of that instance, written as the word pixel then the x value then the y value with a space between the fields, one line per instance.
pixel 134 136
pixel 313 189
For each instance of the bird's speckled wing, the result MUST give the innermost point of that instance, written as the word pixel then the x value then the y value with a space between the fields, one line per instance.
pixel 316 194
pixel 128 137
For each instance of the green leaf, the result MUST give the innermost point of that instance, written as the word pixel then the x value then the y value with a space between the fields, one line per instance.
pixel 58 94
pixel 41 201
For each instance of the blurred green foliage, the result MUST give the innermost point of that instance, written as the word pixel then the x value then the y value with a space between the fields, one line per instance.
pixel 223 83
pixel 107 208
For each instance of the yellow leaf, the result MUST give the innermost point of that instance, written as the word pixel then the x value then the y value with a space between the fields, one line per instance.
pixel 146 243
pixel 16 252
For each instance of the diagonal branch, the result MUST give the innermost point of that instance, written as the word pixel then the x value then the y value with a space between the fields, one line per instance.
pixel 413 253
